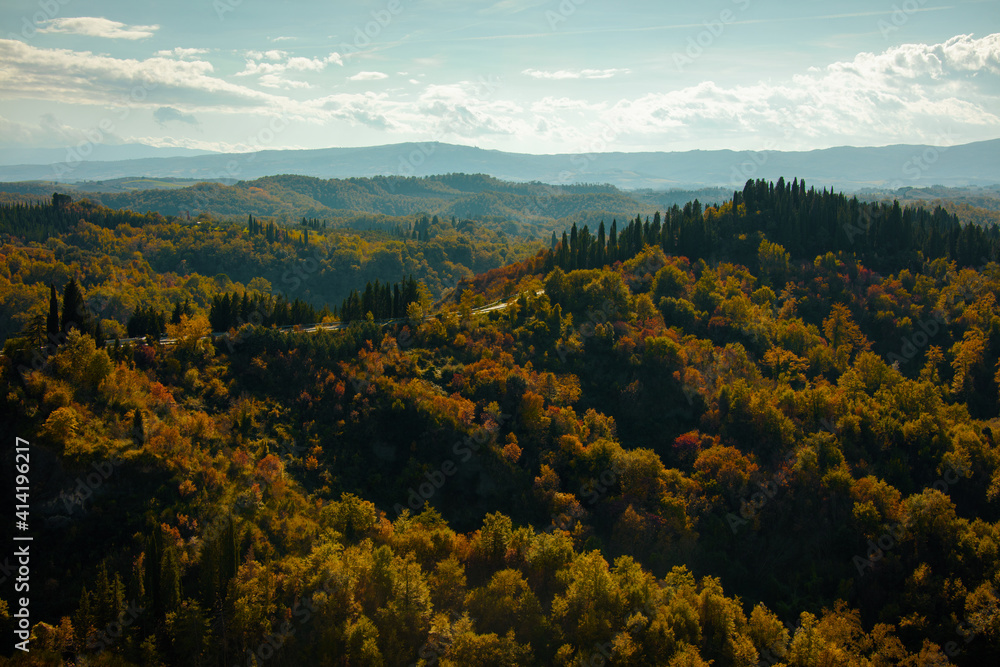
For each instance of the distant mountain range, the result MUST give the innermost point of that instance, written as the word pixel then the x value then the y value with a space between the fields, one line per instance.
pixel 848 168
pixel 92 152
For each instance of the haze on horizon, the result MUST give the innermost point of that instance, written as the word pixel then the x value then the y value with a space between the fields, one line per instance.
pixel 531 76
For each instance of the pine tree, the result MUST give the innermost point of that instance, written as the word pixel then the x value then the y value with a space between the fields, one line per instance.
pixel 170 580
pixel 104 607
pixel 52 322
pixel 230 556
pixel 132 327
pixel 84 621
pixel 574 247
pixel 73 314
pixel 600 255
pixel 155 559
pixel 563 253
pixel 138 427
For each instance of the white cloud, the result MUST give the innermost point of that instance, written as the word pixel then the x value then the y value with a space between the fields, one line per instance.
pixel 371 109
pixel 165 115
pixel 283 38
pixel 575 74
pixel 461 110
pixel 368 76
pixel 908 93
pixel 270 72
pixel 254 68
pixel 82 77
pixel 556 104
pixel 306 64
pixel 174 141
pixel 92 26
pixel 180 52
pixel 275 81
pixel 442 112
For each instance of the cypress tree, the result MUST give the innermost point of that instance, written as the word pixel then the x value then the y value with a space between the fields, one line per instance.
pixel 601 253
pixel 153 572
pixel 73 308
pixel 52 322
pixel 563 257
pixel 574 247
pixel 138 427
pixel 84 620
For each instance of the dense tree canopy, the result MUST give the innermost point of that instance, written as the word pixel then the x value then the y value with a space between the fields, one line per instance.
pixel 712 439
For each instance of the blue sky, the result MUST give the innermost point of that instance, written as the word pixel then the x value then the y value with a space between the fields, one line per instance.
pixel 536 76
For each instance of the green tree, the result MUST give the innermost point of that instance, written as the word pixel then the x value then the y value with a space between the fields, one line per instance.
pixel 52 322
pixel 190 634
pixel 74 308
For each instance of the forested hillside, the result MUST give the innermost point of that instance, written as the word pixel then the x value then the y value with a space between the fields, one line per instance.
pixel 292 197
pixel 978 205
pixel 762 432
pixel 124 259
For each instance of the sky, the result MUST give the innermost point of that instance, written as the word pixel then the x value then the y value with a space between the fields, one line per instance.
pixel 531 76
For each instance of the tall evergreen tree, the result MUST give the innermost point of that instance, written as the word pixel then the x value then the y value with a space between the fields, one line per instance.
pixel 73 314
pixel 600 255
pixel 574 247
pixel 52 322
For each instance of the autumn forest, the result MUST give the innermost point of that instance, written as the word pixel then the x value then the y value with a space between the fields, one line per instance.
pixel 758 430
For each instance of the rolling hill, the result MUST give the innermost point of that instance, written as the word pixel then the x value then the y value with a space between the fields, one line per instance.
pixel 459 195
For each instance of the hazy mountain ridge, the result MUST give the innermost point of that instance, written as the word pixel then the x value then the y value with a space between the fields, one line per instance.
pixel 847 168
pixel 14 155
